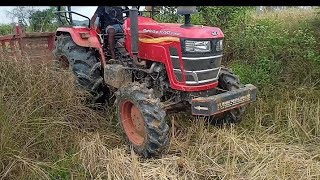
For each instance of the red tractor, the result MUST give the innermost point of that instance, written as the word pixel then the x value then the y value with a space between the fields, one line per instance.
pixel 159 67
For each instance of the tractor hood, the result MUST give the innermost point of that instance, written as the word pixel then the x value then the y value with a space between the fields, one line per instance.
pixel 149 27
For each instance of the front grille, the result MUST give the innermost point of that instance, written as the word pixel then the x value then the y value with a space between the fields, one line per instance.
pixel 200 77
pixel 202 68
pixel 199 63
pixel 199 68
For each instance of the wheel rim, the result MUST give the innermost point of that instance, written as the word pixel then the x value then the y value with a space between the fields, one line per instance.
pixel 133 122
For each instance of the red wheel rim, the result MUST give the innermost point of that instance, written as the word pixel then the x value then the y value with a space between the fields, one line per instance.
pixel 132 122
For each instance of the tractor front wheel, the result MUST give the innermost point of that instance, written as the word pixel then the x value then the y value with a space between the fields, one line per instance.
pixel 142 120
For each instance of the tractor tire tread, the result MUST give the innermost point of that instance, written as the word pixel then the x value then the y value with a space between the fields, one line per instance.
pixel 84 64
pixel 157 140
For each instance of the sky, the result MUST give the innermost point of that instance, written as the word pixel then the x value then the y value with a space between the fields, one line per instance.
pixel 85 10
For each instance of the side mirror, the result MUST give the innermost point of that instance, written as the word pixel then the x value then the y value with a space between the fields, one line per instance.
pixel 183 10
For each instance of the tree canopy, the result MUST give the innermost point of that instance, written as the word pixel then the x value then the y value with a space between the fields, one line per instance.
pixel 34 19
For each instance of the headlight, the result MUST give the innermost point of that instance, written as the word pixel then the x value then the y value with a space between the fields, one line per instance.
pixel 219 45
pixel 197 46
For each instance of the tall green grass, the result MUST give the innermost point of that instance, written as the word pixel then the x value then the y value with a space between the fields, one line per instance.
pixel 276 49
pixel 41 116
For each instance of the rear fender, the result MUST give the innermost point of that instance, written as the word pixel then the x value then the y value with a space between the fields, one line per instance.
pixel 91 40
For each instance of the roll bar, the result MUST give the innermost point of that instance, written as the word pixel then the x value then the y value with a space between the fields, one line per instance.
pixel 68 18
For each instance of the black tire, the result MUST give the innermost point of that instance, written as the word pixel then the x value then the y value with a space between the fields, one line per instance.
pixel 228 81
pixel 156 135
pixel 84 64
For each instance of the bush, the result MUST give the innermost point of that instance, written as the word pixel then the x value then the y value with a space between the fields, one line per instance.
pixel 5 29
pixel 275 48
pixel 167 14
pixel 222 16
pixel 267 51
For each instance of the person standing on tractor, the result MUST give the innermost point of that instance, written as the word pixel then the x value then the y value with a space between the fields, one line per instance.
pixel 109 19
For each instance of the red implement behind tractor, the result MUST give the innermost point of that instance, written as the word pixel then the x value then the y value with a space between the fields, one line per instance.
pixel 35 46
pixel 158 67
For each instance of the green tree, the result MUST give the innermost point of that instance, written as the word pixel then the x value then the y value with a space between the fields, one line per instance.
pixel 22 13
pixel 223 16
pixel 44 20
pixel 6 29
pixel 34 19
pixel 167 14
pixel 220 16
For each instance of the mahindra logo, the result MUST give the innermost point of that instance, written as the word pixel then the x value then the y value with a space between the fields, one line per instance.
pixel 214 33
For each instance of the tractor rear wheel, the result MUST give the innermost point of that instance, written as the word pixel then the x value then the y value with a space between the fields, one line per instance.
pixel 84 64
pixel 142 120
pixel 228 82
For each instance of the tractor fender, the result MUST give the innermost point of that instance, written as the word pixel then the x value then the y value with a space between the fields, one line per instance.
pixel 91 39
pixel 84 37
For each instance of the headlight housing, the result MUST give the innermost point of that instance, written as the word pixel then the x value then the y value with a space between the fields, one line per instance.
pixel 219 45
pixel 197 46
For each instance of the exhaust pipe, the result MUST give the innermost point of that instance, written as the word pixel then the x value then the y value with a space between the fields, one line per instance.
pixel 135 36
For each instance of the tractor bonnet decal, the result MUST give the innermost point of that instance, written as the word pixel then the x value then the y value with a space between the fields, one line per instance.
pixel 145 38
pixel 161 32
pixel 160 40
